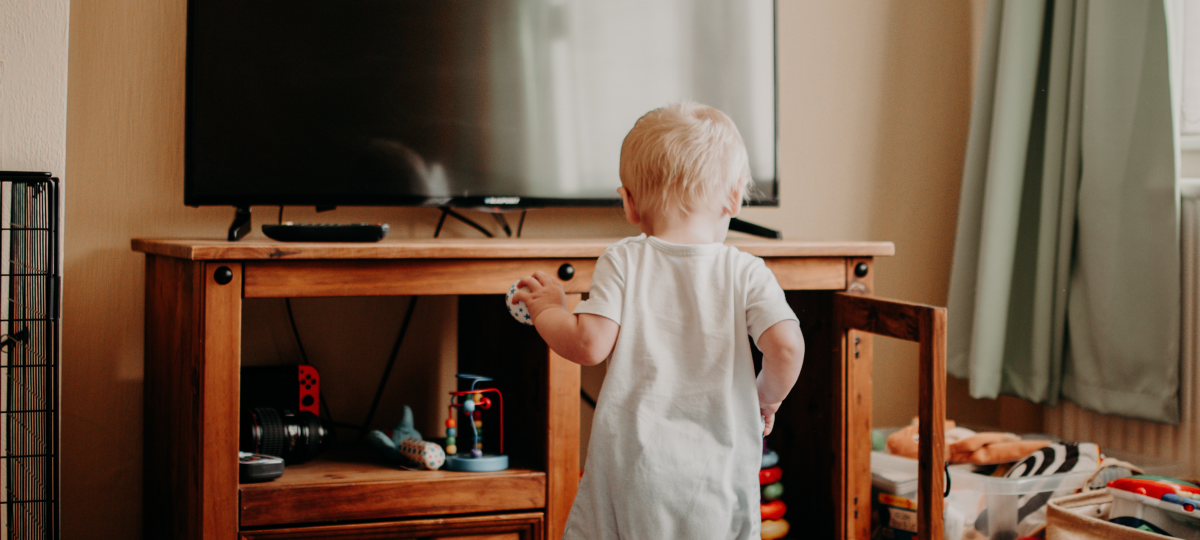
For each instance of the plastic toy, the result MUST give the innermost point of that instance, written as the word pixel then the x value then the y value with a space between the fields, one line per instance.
pixel 769 475
pixel 769 459
pixel 1158 504
pixel 403 443
pixel 773 510
pixel 518 311
pixel 774 528
pixel 472 403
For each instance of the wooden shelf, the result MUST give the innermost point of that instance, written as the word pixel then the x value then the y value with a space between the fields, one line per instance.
pixel 351 484
pixel 456 248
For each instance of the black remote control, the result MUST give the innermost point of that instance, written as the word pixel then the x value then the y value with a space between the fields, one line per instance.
pixel 326 232
pixel 258 467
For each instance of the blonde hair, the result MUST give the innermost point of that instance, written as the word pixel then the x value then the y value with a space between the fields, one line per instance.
pixel 684 157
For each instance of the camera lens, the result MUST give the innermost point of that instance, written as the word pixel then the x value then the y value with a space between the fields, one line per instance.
pixel 294 436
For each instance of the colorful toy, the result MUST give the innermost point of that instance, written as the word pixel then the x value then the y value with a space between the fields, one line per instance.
pixel 472 403
pixel 518 310
pixel 1157 504
pixel 769 475
pixel 772 492
pixel 771 508
pixel 774 528
pixel 403 442
pixel 769 459
pixel 428 454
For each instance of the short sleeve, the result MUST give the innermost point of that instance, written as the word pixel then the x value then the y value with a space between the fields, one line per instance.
pixel 607 293
pixel 765 301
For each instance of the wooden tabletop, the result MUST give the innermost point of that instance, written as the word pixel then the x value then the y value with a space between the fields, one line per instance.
pixel 454 248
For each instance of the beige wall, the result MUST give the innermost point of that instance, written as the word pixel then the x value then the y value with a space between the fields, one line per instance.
pixel 874 99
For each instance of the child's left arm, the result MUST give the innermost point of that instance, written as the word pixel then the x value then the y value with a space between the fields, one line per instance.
pixel 585 339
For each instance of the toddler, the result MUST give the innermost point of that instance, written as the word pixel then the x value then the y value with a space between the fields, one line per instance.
pixel 676 437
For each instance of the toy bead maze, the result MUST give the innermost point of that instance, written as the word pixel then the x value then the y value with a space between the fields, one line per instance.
pixel 471 403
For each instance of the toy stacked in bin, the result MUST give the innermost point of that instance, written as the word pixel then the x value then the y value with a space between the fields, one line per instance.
pixel 773 524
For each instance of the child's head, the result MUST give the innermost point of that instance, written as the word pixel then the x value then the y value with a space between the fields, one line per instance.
pixel 682 158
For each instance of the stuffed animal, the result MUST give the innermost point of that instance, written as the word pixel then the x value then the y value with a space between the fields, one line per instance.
pixel 403 444
pixel 966 446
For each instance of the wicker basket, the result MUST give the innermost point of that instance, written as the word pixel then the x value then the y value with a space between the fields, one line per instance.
pixel 1084 516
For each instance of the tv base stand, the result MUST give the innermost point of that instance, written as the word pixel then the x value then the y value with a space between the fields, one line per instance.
pixel 241 223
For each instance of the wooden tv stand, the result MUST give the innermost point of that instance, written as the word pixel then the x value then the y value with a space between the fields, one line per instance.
pixel 194 294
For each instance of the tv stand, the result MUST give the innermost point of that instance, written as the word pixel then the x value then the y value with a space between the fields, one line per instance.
pixel 241 223
pixel 193 353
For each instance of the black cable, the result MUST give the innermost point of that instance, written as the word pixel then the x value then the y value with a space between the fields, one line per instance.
pixel 387 371
pixel 281 214
pixel 586 398
pixel 346 425
pixel 468 221
pixel 441 221
pixel 521 224
pixel 304 356
pixel 503 223
pixel 412 304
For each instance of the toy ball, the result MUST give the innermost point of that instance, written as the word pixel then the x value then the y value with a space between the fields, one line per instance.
pixel 518 311
pixel 468 406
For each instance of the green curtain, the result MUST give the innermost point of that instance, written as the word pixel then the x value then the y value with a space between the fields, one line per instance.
pixel 1066 271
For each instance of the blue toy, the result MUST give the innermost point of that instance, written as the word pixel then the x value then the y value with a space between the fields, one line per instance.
pixel 403 443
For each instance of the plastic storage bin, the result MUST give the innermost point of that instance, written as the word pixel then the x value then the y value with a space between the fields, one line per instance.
pixel 893 497
pixel 1006 508
pixel 894 474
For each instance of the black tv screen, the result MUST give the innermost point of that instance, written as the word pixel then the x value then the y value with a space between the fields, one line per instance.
pixel 479 103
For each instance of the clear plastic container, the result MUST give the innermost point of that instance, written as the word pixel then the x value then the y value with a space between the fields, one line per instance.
pixel 996 507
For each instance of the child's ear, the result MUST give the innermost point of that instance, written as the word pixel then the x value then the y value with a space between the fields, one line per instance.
pixel 733 206
pixel 631 213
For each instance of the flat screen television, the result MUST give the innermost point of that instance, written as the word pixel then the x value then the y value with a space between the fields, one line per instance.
pixel 466 103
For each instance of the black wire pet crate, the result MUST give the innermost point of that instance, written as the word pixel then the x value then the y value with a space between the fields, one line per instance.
pixel 29 350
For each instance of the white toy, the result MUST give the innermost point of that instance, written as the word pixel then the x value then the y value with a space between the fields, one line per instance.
pixel 518 310
pixel 427 454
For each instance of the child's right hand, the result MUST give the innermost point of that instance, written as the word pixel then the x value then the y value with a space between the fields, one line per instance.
pixel 768 416
pixel 540 292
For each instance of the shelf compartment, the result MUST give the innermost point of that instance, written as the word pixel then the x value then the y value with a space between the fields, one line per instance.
pixel 343 486
pixel 524 526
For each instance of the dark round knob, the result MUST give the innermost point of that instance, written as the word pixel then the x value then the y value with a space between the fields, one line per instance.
pixel 860 269
pixel 566 272
pixel 223 275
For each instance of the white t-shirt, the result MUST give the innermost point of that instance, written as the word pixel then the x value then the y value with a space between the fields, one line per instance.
pixel 676 439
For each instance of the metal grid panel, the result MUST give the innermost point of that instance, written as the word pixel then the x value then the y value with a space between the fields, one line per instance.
pixel 29 356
